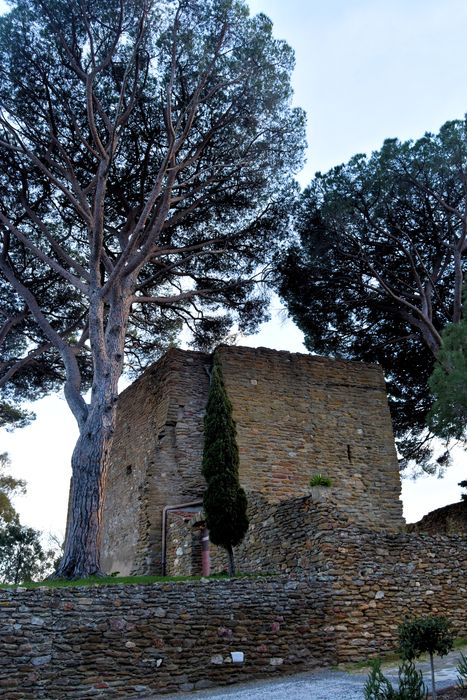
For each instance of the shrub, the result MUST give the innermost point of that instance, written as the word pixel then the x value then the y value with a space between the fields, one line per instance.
pixel 411 685
pixel 430 635
pixel 377 687
pixel 462 672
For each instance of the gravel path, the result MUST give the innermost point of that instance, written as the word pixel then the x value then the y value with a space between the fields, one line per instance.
pixel 324 685
pixel 320 685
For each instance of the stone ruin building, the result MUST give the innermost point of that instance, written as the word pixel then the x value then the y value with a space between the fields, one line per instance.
pixel 297 416
pixel 345 570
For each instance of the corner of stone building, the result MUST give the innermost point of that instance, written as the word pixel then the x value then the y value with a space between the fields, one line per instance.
pixel 296 415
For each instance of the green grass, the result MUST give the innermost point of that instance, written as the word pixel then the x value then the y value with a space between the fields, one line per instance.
pixel 112 580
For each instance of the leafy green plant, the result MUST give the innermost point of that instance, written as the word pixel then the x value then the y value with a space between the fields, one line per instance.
pixel 320 480
pixel 462 672
pixel 377 686
pixel 430 635
pixel 411 685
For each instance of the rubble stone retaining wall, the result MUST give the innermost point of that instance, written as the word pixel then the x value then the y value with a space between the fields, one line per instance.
pixel 347 590
pixel 138 640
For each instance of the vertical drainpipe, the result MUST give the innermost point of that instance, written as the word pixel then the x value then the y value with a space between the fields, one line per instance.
pixel 205 559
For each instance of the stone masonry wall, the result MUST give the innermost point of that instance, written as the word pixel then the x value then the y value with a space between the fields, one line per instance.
pixel 375 579
pixel 160 434
pixel 125 641
pixel 297 415
pixel 300 415
pixel 349 590
pixel 450 520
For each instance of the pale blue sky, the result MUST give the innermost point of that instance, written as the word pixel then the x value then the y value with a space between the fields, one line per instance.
pixel 365 70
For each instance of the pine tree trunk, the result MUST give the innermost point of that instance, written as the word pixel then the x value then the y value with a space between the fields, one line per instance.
pixel 231 560
pixel 81 556
pixel 90 460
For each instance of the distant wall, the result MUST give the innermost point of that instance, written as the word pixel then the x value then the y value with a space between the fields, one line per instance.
pixel 297 415
pixel 349 590
pixel 448 520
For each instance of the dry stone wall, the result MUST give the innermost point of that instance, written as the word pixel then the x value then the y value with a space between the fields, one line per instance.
pixel 125 641
pixel 347 591
pixel 449 520
pixel 297 415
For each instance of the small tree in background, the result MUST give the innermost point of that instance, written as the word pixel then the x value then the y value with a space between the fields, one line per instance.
pixel 9 486
pixel 430 635
pixel 22 557
pixel 463 484
pixel 224 500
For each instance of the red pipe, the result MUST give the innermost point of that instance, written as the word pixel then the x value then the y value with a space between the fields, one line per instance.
pixel 205 558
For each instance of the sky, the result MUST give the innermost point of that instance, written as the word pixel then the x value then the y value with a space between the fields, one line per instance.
pixel 366 70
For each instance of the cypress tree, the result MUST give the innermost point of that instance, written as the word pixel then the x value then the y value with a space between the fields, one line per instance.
pixel 224 500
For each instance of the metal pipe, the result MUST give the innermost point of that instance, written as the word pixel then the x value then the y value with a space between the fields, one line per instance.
pixel 164 528
pixel 205 558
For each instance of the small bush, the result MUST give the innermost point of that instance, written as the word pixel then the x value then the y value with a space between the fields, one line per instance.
pixel 430 635
pixel 411 685
pixel 377 686
pixel 320 480
pixel 425 634
pixel 462 672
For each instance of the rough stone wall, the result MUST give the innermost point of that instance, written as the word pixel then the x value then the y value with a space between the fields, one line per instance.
pixel 183 554
pixel 160 434
pixel 448 520
pixel 349 591
pixel 134 641
pixel 383 580
pixel 297 415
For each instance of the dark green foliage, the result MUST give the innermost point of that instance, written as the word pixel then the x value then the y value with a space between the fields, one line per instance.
pixel 320 480
pixel 22 557
pixel 463 484
pixel 224 500
pixel 411 685
pixel 377 686
pixel 225 505
pixel 432 635
pixel 448 383
pixel 376 270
